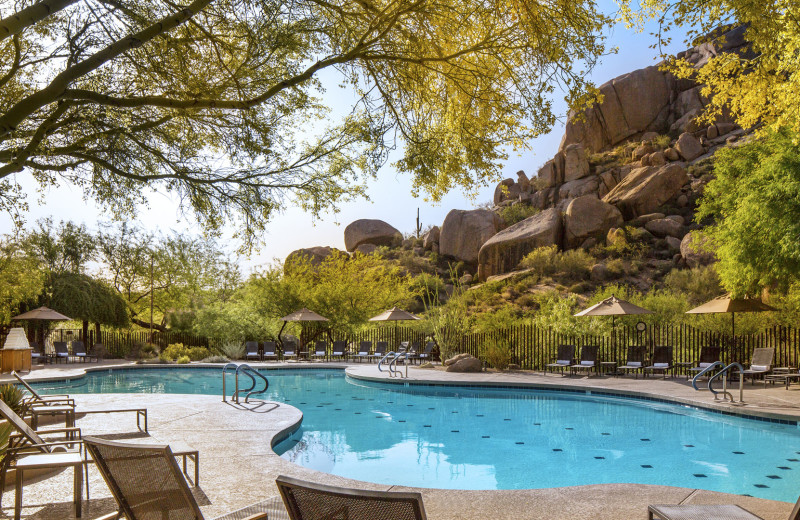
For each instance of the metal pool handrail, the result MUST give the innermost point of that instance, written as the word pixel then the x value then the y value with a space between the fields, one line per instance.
pixel 249 372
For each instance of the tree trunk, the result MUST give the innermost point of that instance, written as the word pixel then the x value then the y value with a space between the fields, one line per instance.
pixel 146 325
pixel 85 332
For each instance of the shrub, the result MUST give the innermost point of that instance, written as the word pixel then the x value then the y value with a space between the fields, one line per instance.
pixel 233 349
pixel 215 359
pixel 575 264
pixel 12 396
pixel 148 351
pixel 632 245
pixel 699 284
pixel 183 360
pixel 517 213
pixel 497 353
pixel 177 350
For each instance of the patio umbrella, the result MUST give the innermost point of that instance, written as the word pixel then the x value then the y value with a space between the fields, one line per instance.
pixel 302 315
pixel 732 305
pixel 394 314
pixel 42 314
pixel 613 306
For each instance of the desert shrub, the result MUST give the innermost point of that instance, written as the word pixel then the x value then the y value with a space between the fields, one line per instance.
pixel 580 287
pixel 630 246
pixel 661 142
pixel 215 359
pixel 183 360
pixel 427 286
pixel 699 284
pixel 148 351
pixel 574 264
pixel 12 396
pixel 414 264
pixel 497 352
pixel 517 213
pixel 233 349
pixel 177 350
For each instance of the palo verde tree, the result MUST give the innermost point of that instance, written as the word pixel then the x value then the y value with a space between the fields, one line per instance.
pixel 219 102
pixel 83 298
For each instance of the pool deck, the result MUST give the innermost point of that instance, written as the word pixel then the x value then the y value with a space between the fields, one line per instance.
pixel 238 468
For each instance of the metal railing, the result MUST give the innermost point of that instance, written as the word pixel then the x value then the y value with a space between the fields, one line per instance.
pixel 393 357
pixel 254 376
pixel 726 395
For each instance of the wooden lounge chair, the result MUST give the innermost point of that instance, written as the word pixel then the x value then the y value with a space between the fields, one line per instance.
pixel 251 350
pixel 565 358
pixel 320 350
pixel 289 350
pixel 662 361
pixel 380 350
pixel 634 361
pixel 363 350
pixel 269 350
pixel 708 356
pixel 146 482
pixel 760 364
pixel 309 501
pixel 588 360
pixel 706 512
pixel 62 352
pixel 79 351
pixel 28 451
pixel 339 350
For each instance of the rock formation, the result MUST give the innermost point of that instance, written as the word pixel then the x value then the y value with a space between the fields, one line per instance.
pixel 588 217
pixel 464 232
pixel 369 231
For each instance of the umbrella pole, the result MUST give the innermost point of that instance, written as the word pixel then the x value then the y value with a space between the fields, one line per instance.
pixel 733 327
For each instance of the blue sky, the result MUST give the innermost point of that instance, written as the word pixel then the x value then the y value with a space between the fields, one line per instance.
pixel 390 193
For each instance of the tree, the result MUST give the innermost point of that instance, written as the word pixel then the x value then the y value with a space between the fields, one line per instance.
pixel 218 101
pixel 21 279
pixel 754 206
pixel 85 299
pixel 757 87
pixel 67 247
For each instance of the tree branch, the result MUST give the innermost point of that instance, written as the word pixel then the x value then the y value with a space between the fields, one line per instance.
pixel 14 24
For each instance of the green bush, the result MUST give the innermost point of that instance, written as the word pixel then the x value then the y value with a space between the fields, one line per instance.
pixel 497 352
pixel 575 264
pixel 178 350
pixel 215 359
pixel 517 213
pixel 233 349
pixel 699 284
pixel 12 396
pixel 148 351
pixel 183 360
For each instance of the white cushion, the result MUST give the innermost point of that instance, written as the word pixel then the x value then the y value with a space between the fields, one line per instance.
pixel 661 365
pixel 759 368
pixel 563 362
pixel 587 363
pixel 634 363
pixel 705 365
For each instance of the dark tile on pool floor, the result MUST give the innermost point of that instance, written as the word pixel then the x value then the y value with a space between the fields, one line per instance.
pixel 647 466
pixel 688 445
pixel 453 431
pixel 484 436
pixel 762 486
pixel 784 467
pixel 569 428
pixel 557 449
pixel 426 425
pixel 519 442
pixel 701 475
pixel 738 453
pixel 773 476
pixel 645 440
pixel 793 460
pixel 600 458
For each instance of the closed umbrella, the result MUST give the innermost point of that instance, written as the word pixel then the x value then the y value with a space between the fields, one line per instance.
pixel 613 306
pixel 303 315
pixel 394 314
pixel 726 303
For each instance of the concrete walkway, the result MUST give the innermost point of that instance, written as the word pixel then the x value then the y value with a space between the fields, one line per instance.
pixel 238 468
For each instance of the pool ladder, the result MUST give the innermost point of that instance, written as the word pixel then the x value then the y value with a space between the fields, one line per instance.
pixel 726 395
pixel 393 357
pixel 247 370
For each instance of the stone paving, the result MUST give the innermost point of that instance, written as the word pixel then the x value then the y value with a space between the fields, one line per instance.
pixel 238 467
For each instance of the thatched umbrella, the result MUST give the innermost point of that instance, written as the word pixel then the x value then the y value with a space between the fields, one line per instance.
pixel 394 314
pixel 725 303
pixel 613 306
pixel 303 315
pixel 42 314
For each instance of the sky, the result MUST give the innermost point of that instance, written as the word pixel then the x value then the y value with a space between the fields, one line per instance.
pixel 390 194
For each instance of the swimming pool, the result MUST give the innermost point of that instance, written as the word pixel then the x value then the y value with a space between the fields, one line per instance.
pixel 499 438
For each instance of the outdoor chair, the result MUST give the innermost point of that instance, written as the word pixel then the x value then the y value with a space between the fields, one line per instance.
pixel 320 350
pixel 705 512
pixel 380 350
pixel 565 357
pixel 146 482
pixel 251 350
pixel 363 350
pixel 338 350
pixel 269 350
pixel 708 356
pixel 634 362
pixel 427 353
pixel 37 354
pixel 760 364
pixel 28 451
pixel 61 351
pixel 662 361
pixel 413 352
pixel 310 501
pixel 34 399
pixel 588 360
pixel 290 350
pixel 79 351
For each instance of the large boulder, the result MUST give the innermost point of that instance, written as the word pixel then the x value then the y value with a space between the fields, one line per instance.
pixel 644 189
pixel 588 216
pixel 506 189
pixel 689 146
pixel 465 363
pixel 502 252
pixel 696 249
pixel 314 255
pixel 369 231
pixel 665 227
pixel 430 238
pixel 548 174
pixel 465 231
pixel 576 165
pixel 579 187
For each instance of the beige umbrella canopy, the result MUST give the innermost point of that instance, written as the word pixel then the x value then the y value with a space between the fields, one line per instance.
pixel 725 303
pixel 613 306
pixel 42 313
pixel 301 315
pixel 394 314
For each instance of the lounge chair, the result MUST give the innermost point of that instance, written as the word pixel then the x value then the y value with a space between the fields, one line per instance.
pixel 320 350
pixel 309 501
pixel 662 361
pixel 338 350
pixel 588 360
pixel 565 357
pixel 34 399
pixel 62 352
pixel 146 482
pixel 760 364
pixel 363 350
pixel 269 350
pixel 290 350
pixel 706 512
pixel 27 450
pixel 251 350
pixel 708 356
pixel 413 352
pixel 37 354
pixel 79 351
pixel 380 350
pixel 634 362
pixel 427 353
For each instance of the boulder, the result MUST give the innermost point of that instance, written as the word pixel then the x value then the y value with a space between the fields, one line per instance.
pixel 686 123
pixel 599 273
pixel 664 227
pixel 576 165
pixel 645 189
pixel 673 243
pixel 465 231
pixel 548 175
pixel 586 217
pixel 642 94
pixel 671 154
pixel 369 231
pixel 642 150
pixel 430 238
pixel 455 359
pixel 677 218
pixel 315 255
pixel 578 187
pixel 466 364
pixel 608 179
pixel 523 181
pixel 696 250
pixel 503 252
pixel 657 159
pixel 504 191
pixel 366 249
pixel 649 136
pixel 644 219
pixel 615 236
pixel 689 146
pixel 589 243
pixel 466 279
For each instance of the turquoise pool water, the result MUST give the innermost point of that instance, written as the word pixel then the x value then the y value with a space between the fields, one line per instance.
pixel 483 438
